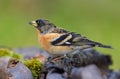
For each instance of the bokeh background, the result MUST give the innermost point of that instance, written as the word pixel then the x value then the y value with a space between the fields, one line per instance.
pixel 99 20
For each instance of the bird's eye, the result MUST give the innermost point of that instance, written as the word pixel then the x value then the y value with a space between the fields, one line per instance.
pixel 40 22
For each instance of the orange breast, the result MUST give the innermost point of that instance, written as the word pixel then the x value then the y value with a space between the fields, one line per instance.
pixel 45 42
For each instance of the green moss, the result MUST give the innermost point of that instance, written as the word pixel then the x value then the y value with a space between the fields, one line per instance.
pixel 17 56
pixel 5 52
pixel 9 53
pixel 35 66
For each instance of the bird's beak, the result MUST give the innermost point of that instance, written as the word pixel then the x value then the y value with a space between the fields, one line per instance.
pixel 33 23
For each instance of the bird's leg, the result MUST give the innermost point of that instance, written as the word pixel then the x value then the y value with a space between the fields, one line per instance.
pixel 55 58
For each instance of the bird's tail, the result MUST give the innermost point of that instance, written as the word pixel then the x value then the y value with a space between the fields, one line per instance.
pixel 104 46
pixel 100 44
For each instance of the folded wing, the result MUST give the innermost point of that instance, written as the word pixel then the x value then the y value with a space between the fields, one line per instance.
pixel 73 39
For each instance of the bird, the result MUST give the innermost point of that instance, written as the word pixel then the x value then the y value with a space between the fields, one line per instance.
pixel 58 41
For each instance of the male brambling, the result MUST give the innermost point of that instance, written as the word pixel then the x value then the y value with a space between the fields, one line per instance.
pixel 57 41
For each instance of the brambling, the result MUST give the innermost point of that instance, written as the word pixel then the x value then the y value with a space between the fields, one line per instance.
pixel 57 41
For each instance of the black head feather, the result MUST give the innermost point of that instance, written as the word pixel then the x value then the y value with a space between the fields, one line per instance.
pixel 40 22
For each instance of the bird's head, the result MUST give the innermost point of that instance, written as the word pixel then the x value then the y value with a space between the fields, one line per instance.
pixel 44 26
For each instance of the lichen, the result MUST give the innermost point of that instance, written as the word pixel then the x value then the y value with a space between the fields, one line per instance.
pixel 35 66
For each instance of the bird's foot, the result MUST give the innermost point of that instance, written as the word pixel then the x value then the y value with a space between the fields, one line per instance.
pixel 55 58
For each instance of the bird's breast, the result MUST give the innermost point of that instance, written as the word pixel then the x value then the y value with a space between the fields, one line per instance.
pixel 43 42
pixel 46 45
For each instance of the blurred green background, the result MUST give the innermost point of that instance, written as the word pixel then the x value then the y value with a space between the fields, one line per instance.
pixel 99 20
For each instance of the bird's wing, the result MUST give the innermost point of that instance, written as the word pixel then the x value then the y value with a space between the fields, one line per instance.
pixel 73 39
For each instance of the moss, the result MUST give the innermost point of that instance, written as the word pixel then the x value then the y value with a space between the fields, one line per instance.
pixel 35 66
pixel 9 53
pixel 17 56
pixel 5 52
